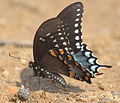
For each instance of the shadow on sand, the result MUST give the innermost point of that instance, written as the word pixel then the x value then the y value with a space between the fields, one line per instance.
pixel 35 83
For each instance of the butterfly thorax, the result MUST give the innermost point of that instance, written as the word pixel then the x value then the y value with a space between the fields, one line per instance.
pixel 36 68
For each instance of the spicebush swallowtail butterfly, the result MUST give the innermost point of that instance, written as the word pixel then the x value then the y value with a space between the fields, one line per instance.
pixel 58 48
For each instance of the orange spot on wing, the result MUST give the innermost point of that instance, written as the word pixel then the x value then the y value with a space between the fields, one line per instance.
pixel 88 74
pixel 72 75
pixel 86 78
pixel 80 79
pixel 76 63
pixel 83 69
pixel 53 53
pixel 61 51
pixel 69 57
pixel 60 57
pixel 65 62
pixel 71 66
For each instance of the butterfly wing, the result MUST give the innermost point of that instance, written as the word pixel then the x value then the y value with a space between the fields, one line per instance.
pixel 86 58
pixel 43 40
pixel 76 71
pixel 48 37
pixel 72 19
pixel 59 31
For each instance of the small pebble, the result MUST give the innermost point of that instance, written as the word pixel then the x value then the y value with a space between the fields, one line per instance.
pixel 101 87
pixel 24 93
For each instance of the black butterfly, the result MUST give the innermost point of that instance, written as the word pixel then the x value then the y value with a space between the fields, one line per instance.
pixel 58 48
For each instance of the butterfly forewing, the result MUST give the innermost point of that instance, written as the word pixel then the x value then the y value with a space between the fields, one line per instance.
pixel 44 38
pixel 64 31
pixel 72 21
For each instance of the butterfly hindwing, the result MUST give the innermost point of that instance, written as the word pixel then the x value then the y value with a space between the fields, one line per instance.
pixel 76 71
pixel 87 60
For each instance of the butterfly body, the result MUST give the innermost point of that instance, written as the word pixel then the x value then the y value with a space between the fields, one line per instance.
pixel 58 48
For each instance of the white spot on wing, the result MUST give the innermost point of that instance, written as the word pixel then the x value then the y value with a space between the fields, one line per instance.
pixel 81 19
pixel 76 25
pixel 54 40
pixel 77 19
pixel 72 52
pixel 64 33
pixel 47 72
pixel 40 39
pixel 91 60
pixel 51 36
pixel 78 14
pixel 77 44
pixel 77 37
pixel 59 33
pixel 81 24
pixel 87 54
pixel 56 45
pixel 78 9
pixel 64 43
pixel 43 39
pixel 62 38
pixel 78 47
pixel 70 48
pixel 81 30
pixel 82 48
pixel 48 34
pixel 76 31
pixel 66 48
pixel 93 67
pixel 58 29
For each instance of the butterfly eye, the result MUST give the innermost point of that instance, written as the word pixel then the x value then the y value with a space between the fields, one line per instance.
pixel 31 64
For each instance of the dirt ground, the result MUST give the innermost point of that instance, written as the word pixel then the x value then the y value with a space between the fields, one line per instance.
pixel 19 20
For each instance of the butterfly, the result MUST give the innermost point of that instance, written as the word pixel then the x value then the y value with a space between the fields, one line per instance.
pixel 58 48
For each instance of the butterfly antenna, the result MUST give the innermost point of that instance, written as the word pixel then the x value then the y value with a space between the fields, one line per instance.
pixel 18 57
pixel 27 54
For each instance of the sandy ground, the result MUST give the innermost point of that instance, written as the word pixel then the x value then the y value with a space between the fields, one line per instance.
pixel 19 20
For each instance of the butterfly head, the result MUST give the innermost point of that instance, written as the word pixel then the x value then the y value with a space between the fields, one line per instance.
pixel 34 67
pixel 31 64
